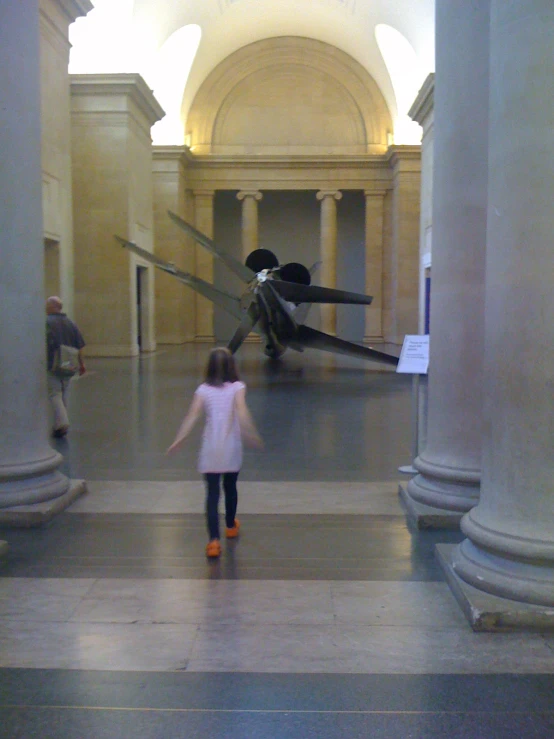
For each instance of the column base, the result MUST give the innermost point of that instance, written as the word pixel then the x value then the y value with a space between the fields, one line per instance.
pixel 421 516
pixel 486 612
pixel 38 514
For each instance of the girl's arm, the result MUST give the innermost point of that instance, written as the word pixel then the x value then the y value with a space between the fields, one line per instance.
pixel 248 429
pixel 187 425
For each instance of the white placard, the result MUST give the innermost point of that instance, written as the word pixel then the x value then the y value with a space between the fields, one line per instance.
pixel 414 357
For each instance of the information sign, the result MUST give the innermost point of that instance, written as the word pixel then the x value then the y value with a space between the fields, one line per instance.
pixel 414 357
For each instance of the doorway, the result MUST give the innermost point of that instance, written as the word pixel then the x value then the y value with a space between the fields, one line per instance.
pixel 51 267
pixel 141 298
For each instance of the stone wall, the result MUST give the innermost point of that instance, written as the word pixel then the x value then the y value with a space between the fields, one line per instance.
pixel 55 18
pixel 175 302
pixel 112 194
pixel 422 111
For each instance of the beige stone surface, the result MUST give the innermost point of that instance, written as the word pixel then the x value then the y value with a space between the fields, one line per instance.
pixel 249 220
pixel 328 254
pixel 422 111
pixel 112 194
pixel 175 303
pixel 204 221
pixel 38 514
pixel 488 612
pixel 374 225
pixel 55 17
pixel 288 172
pixel 401 251
pixel 288 95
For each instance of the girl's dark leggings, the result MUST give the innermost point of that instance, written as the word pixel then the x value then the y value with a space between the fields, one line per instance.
pixel 212 500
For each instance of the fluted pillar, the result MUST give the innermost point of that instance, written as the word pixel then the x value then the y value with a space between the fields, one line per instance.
pixel 28 465
pixel 328 254
pixel 449 466
pixel 509 552
pixel 204 221
pixel 250 200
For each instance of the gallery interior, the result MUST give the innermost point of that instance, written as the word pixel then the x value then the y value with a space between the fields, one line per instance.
pixel 401 149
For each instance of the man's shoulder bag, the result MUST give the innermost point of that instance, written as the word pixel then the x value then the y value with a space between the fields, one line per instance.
pixel 66 361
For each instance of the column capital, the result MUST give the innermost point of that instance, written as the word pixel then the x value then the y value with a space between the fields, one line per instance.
pixel 256 194
pixel 322 194
pixel 203 193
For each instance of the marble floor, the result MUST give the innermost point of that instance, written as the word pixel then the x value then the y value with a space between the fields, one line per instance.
pixel 327 618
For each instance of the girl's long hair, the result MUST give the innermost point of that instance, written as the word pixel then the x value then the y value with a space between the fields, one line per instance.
pixel 221 367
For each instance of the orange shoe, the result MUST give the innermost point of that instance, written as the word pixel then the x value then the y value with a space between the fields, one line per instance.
pixel 213 549
pixel 233 532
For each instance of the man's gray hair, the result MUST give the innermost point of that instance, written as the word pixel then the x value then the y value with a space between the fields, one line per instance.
pixel 54 302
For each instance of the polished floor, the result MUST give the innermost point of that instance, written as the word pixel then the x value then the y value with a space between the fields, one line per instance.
pixel 327 618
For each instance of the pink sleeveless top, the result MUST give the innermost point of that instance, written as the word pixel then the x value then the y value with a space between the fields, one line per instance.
pixel 221 448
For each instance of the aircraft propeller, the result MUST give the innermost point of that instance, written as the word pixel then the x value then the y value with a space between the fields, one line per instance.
pixel 261 259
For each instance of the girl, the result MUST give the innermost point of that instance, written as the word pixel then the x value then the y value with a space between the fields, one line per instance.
pixel 222 396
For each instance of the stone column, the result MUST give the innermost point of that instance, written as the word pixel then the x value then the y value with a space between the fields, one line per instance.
pixel 328 252
pixel 509 553
pixel 447 485
pixel 204 221
pixel 28 465
pixel 250 199
pixel 374 218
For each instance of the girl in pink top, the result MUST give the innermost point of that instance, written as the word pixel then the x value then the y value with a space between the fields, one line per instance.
pixel 222 397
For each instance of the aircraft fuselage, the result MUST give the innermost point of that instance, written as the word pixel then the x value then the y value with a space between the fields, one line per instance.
pixel 276 323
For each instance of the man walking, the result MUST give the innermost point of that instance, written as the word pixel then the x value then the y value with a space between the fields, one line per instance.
pixel 61 333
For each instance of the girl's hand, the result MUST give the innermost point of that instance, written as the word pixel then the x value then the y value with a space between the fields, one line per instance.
pixel 171 449
pixel 253 441
pixel 188 423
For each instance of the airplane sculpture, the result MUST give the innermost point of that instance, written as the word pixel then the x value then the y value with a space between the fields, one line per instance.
pixel 274 302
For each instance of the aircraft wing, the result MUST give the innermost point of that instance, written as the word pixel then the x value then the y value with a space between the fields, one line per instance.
pixel 240 269
pixel 228 302
pixel 312 339
pixel 249 321
pixel 296 293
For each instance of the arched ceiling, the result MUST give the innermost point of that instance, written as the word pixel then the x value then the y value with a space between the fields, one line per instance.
pixel 228 25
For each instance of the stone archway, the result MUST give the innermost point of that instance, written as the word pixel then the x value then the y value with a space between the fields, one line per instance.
pixel 289 95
